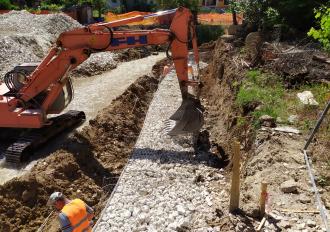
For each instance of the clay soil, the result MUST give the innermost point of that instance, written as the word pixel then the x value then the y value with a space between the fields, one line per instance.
pixel 87 166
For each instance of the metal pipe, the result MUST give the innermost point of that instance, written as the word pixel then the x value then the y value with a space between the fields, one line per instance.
pixel 317 126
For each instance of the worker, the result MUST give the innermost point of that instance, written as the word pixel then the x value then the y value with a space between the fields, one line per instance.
pixel 74 216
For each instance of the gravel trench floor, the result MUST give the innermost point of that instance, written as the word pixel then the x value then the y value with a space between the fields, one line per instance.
pixel 165 186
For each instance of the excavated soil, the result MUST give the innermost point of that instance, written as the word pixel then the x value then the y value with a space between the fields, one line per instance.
pixel 87 166
pixel 266 156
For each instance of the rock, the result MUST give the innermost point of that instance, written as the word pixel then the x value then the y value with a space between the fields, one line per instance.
pixel 267 121
pixel 310 223
pixel 27 195
pixel 304 199
pixel 285 224
pixel 181 210
pixel 293 118
pixel 307 98
pixel 289 186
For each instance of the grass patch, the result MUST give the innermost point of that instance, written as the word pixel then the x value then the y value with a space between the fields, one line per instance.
pixel 267 94
pixel 263 90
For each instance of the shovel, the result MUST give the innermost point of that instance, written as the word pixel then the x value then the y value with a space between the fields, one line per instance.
pixel 187 119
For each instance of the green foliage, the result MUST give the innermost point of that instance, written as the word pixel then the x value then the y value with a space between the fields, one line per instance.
pixel 265 89
pixel 206 33
pixel 193 5
pixel 52 7
pixel 5 5
pixel 254 11
pixel 322 15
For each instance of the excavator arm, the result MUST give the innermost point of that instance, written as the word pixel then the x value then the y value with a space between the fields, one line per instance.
pixel 28 105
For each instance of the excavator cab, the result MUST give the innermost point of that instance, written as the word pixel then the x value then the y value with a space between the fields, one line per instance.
pixel 16 79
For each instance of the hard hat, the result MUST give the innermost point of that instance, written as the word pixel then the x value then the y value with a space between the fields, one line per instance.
pixel 55 197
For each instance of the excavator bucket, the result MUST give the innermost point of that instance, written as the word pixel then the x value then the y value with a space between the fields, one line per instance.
pixel 187 119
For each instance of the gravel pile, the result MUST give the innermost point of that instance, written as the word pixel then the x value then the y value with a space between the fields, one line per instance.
pixel 165 186
pixel 26 37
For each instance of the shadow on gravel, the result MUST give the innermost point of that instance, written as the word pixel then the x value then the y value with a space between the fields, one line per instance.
pixel 170 157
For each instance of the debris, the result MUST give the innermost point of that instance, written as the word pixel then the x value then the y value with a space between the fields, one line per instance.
pixel 287 129
pixel 322 59
pixel 261 223
pixel 307 98
pixel 299 211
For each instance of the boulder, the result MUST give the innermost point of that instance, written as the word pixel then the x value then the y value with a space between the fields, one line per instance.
pixel 307 98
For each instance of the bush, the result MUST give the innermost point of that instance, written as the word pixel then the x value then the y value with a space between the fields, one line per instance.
pixel 50 7
pixel 206 33
pixel 322 16
pixel 5 5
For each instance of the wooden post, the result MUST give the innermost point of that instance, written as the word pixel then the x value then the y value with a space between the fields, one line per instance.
pixel 263 197
pixel 235 178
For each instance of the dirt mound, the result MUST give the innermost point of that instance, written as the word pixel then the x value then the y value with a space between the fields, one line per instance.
pixel 86 163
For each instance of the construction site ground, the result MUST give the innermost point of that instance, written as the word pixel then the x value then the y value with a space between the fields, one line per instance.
pixel 166 183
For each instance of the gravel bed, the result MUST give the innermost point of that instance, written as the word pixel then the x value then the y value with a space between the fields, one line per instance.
pixel 165 185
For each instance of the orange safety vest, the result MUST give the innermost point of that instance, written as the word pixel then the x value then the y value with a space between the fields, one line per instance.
pixel 77 215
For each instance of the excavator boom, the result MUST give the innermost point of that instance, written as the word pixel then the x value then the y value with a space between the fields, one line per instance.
pixel 30 94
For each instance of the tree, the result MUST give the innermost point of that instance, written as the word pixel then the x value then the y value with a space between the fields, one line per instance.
pixel 170 4
pixel 322 15
pixel 234 6
pixel 298 14
pixel 100 6
pixel 5 5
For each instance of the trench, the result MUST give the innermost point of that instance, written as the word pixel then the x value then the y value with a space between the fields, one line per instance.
pixel 91 95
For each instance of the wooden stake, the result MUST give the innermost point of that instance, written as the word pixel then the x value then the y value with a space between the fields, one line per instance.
pixel 263 197
pixel 235 178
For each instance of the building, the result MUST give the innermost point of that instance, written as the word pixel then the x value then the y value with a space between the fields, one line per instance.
pixel 215 3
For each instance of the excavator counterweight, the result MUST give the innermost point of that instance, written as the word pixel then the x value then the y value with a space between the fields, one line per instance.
pixel 31 92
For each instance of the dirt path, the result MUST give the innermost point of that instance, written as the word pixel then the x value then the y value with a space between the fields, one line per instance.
pixel 94 93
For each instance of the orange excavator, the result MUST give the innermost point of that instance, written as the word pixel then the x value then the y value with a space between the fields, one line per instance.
pixel 31 92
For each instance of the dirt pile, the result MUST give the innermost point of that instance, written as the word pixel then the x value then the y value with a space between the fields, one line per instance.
pixel 26 37
pixel 83 164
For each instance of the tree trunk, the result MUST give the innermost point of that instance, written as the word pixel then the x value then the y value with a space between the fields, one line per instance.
pixel 234 17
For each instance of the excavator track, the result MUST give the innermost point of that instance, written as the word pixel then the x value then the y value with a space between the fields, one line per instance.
pixel 21 149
